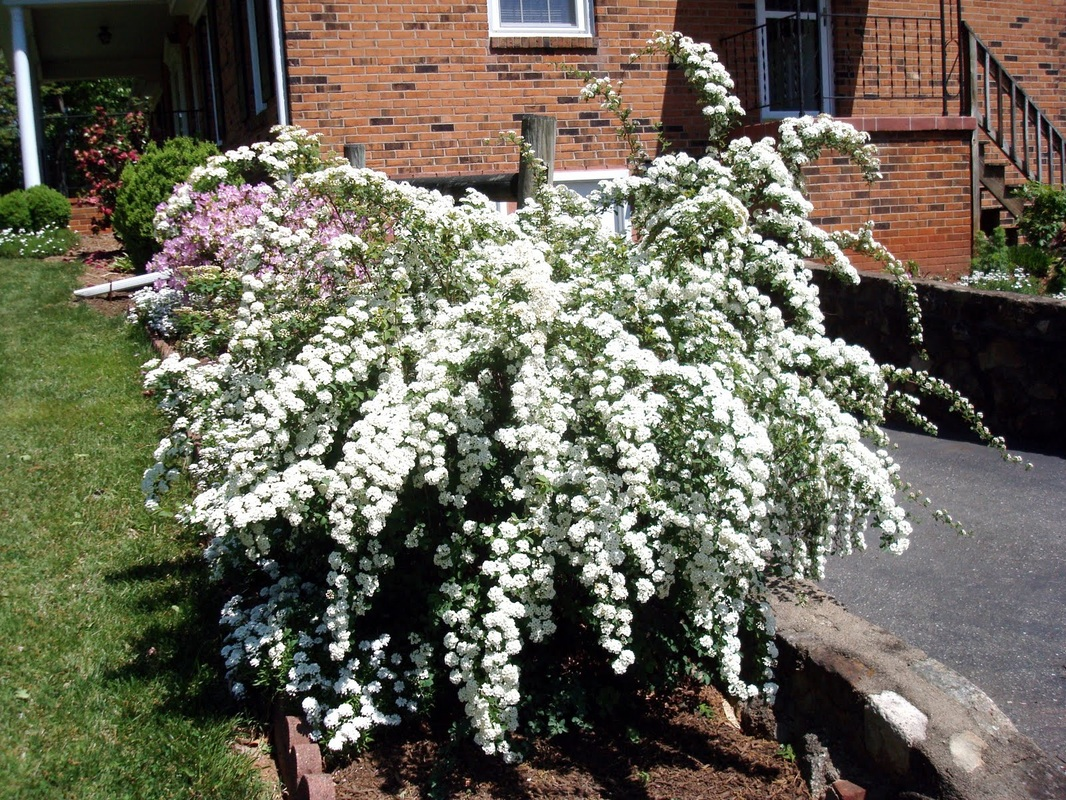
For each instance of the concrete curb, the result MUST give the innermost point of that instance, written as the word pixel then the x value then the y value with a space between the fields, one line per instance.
pixel 858 702
pixel 299 759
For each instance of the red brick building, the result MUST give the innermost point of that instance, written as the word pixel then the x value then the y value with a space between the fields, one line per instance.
pixel 425 88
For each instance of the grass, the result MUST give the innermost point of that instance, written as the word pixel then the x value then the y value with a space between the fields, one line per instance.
pixel 109 676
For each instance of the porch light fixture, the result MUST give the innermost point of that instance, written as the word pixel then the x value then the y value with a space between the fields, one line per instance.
pixel 104 35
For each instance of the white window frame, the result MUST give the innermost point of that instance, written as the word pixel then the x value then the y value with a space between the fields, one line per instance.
pixel 825 45
pixel 614 220
pixel 212 87
pixel 175 61
pixel 584 182
pixel 258 92
pixel 582 27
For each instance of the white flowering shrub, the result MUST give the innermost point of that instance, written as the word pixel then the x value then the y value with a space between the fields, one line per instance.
pixel 517 461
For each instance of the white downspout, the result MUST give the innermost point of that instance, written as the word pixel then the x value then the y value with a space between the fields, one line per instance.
pixel 277 36
pixel 28 138
pixel 136 282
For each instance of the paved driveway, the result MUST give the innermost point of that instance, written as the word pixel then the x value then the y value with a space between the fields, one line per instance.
pixel 991 606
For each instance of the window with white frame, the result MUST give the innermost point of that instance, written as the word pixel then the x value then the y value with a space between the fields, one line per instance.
pixel 614 220
pixel 584 182
pixel 794 57
pixel 258 22
pixel 540 17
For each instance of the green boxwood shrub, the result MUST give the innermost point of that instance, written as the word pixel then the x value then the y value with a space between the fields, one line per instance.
pixel 148 182
pixel 15 212
pixel 48 208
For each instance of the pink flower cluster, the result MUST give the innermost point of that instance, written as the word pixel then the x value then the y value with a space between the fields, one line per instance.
pixel 252 229
pixel 205 233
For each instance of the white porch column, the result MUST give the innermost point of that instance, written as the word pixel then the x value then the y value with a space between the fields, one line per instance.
pixel 28 133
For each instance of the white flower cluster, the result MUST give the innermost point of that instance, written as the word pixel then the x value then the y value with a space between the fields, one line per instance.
pixel 154 308
pixel 516 424
pixel 721 108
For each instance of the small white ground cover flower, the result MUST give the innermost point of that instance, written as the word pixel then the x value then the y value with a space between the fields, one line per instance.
pixel 505 459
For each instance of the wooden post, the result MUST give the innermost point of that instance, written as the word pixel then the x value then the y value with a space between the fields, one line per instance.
pixel 968 99
pixel 356 155
pixel 539 131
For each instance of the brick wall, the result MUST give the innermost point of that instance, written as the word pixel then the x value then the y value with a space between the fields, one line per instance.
pixel 423 86
pixel 81 216
pixel 921 206
pixel 426 89
pixel 887 57
pixel 1029 39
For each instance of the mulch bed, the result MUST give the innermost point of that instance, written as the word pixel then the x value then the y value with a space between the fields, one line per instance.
pixel 98 251
pixel 683 746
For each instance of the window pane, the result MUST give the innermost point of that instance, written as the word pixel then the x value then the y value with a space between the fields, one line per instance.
pixel 793 69
pixel 538 12
pixel 263 48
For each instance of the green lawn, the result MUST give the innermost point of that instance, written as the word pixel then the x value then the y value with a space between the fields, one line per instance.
pixel 109 675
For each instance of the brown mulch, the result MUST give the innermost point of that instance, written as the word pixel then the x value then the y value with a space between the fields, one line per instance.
pixel 99 251
pixel 683 746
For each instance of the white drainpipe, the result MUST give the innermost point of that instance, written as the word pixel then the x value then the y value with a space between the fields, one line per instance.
pixel 136 282
pixel 31 160
pixel 277 37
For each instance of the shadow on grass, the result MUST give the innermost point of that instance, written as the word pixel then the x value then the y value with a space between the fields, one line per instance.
pixel 178 645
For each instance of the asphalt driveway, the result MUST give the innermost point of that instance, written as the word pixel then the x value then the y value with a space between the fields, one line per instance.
pixel 992 606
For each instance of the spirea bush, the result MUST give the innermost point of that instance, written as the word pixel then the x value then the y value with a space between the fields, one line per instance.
pixel 516 463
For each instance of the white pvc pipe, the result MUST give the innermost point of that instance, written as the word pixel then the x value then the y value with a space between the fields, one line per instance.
pixel 31 160
pixel 136 282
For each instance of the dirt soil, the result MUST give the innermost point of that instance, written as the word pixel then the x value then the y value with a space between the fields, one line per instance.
pixel 684 746
pixel 99 251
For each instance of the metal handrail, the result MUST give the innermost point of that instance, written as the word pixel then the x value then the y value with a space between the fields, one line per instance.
pixel 1010 118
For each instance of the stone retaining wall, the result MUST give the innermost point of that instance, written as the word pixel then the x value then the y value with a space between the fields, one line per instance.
pixel 1006 352
pixel 856 702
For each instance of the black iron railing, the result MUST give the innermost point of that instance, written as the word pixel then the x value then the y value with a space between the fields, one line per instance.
pixel 846 63
pixel 63 133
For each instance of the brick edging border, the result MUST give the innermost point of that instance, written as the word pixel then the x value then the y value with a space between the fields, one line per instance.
pixel 299 760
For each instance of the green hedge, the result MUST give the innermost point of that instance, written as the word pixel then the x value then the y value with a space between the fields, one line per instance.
pixel 48 208
pixel 32 210
pixel 15 212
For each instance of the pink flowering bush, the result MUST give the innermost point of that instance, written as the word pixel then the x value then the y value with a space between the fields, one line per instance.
pixel 110 143
pixel 512 467
pixel 219 228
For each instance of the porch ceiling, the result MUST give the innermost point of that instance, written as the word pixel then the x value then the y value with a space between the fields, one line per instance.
pixel 65 37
